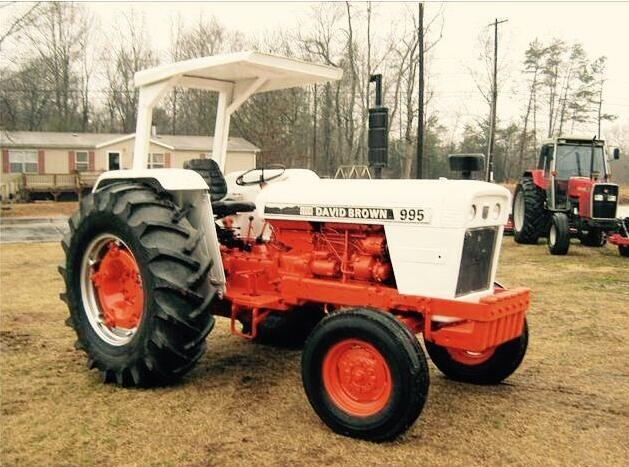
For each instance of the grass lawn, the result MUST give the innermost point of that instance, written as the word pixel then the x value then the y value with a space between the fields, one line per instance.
pixel 243 404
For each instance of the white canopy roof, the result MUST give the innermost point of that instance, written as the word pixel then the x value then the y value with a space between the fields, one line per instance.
pixel 214 72
pixel 235 77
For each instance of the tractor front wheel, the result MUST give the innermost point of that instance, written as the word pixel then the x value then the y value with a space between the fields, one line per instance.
pixel 559 234
pixel 488 367
pixel 365 374
pixel 137 286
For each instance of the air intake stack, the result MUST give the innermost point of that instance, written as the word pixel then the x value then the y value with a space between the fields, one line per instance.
pixel 378 125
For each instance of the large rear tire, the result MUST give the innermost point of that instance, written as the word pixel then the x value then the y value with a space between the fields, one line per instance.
pixel 137 286
pixel 559 234
pixel 489 367
pixel 530 217
pixel 365 374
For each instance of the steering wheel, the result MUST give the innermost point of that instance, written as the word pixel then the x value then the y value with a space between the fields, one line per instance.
pixel 240 180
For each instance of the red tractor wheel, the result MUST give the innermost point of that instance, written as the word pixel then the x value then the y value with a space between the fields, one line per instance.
pixel 137 286
pixel 490 366
pixel 365 374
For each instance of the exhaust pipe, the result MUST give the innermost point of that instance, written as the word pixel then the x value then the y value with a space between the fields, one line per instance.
pixel 378 141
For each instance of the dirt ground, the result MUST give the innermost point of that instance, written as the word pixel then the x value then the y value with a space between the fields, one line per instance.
pixel 243 404
pixel 38 209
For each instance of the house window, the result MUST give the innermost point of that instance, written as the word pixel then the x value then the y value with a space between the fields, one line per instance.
pixel 81 161
pixel 23 162
pixel 156 161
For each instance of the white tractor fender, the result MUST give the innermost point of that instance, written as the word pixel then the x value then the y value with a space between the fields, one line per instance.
pixel 189 189
pixel 169 179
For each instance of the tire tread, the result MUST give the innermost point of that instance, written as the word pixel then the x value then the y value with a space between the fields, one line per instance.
pixel 180 318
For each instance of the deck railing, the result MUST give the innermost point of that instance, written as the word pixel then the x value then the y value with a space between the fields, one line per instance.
pixel 47 182
pixel 58 183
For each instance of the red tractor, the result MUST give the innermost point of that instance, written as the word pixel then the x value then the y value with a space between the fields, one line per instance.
pixel 352 270
pixel 570 194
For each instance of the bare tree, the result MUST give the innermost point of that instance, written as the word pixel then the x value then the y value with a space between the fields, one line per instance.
pixel 131 53
pixel 532 66
pixel 551 73
pixel 57 41
pixel 598 77
pixel 13 24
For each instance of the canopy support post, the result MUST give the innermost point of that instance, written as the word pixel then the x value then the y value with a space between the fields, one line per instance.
pixel 149 96
pixel 228 103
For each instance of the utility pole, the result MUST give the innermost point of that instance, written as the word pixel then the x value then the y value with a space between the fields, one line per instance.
pixel 420 115
pixel 489 169
pixel 314 132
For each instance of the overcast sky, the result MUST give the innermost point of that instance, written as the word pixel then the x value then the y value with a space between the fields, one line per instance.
pixel 601 27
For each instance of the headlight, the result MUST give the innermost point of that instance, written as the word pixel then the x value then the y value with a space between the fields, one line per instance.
pixel 598 197
pixel 472 213
pixel 611 197
pixel 495 211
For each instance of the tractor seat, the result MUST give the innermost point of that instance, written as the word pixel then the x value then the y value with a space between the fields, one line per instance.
pixel 211 173
pixel 227 208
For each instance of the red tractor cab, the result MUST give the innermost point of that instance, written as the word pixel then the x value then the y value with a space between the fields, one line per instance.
pixel 570 193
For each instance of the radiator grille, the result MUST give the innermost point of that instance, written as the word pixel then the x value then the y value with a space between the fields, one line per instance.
pixel 476 260
pixel 604 209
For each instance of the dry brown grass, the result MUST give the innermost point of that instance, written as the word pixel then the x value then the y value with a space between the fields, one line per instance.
pixel 243 404
pixel 39 209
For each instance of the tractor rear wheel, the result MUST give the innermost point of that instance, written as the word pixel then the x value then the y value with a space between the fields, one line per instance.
pixel 623 250
pixel 488 367
pixel 593 237
pixel 365 374
pixel 137 286
pixel 559 234
pixel 530 217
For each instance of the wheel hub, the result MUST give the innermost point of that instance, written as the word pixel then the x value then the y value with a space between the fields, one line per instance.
pixel 552 236
pixel 119 288
pixel 111 289
pixel 518 212
pixel 357 377
pixel 468 357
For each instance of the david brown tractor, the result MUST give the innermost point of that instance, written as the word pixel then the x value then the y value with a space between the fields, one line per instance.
pixel 570 194
pixel 356 269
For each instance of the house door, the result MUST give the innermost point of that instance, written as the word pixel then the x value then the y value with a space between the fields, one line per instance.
pixel 114 161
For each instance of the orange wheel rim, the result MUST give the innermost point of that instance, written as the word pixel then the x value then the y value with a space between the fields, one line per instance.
pixel 118 286
pixel 467 357
pixel 357 378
